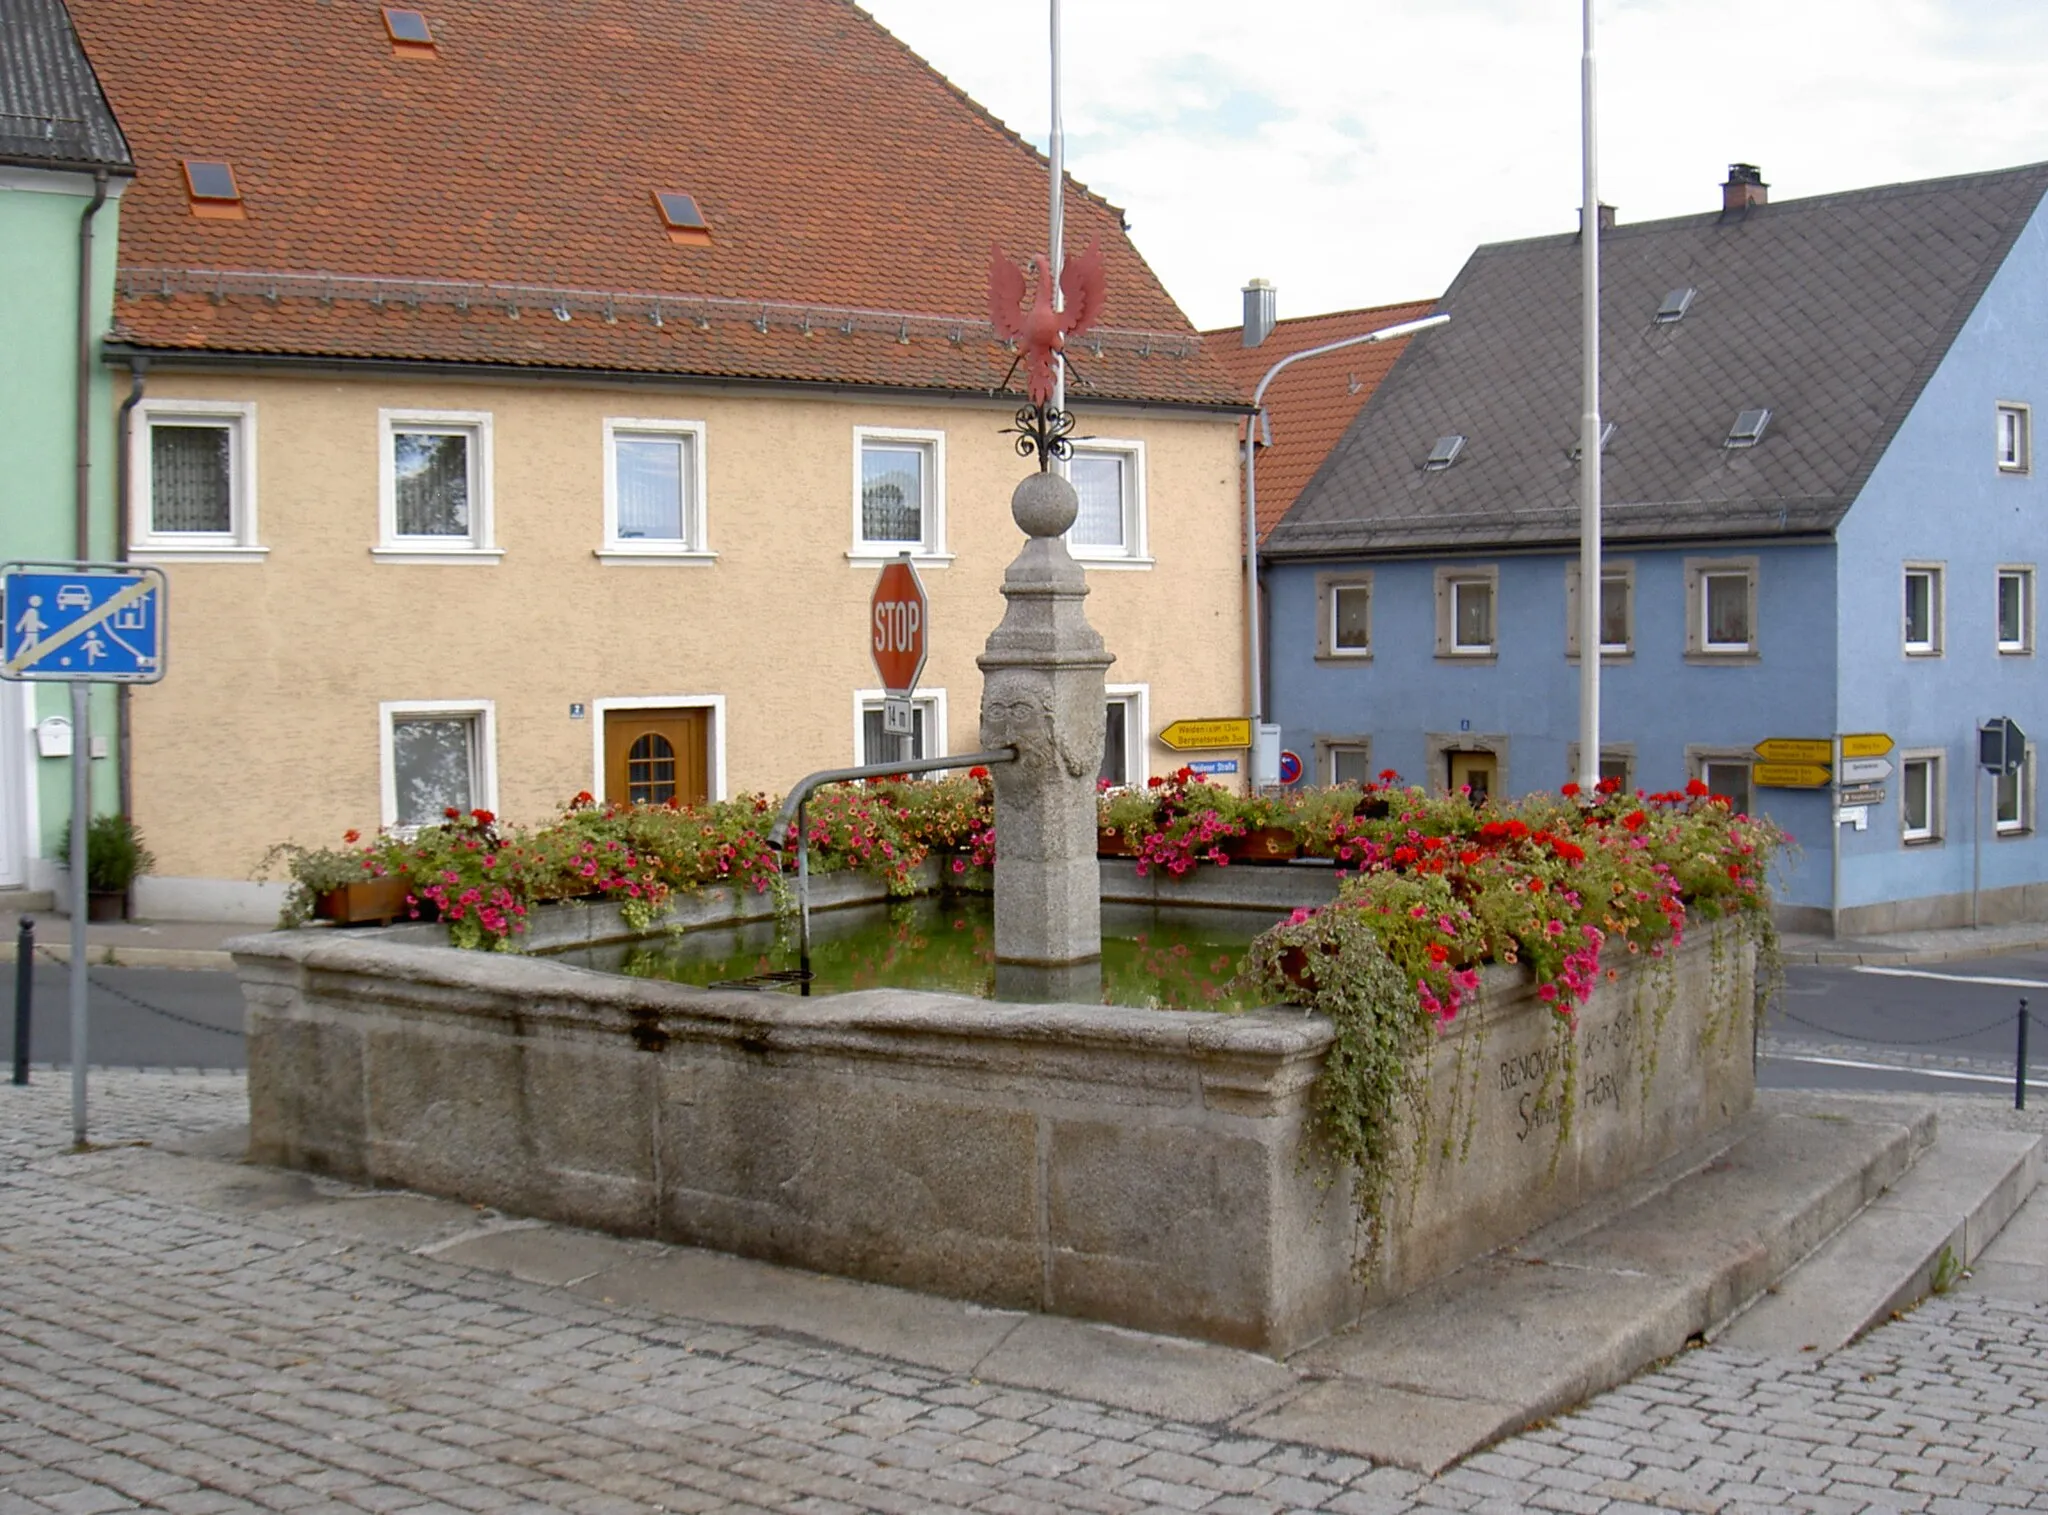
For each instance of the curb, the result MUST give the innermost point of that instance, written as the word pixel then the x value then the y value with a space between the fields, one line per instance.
pixel 1835 957
pixel 100 955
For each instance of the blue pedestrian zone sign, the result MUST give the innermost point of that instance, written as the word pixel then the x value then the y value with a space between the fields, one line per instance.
pixel 82 622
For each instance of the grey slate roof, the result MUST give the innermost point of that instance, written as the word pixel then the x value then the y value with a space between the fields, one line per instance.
pixel 52 113
pixel 1832 311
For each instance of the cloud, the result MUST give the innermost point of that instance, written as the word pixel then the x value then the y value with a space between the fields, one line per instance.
pixel 1356 154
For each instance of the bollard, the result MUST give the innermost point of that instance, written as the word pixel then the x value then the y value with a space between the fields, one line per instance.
pixel 24 993
pixel 2019 1066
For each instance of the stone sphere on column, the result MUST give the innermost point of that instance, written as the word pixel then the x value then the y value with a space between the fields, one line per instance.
pixel 1044 504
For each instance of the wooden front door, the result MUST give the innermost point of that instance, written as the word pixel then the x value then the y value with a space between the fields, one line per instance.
pixel 654 756
pixel 1479 771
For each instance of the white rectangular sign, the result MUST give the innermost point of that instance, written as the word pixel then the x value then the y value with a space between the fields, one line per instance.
pixel 1866 770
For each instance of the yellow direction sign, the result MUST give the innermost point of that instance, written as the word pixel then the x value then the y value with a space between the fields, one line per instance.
pixel 1223 731
pixel 1790 775
pixel 1795 749
pixel 1866 744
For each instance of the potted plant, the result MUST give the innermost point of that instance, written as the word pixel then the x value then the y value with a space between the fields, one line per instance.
pixel 349 885
pixel 1270 830
pixel 114 857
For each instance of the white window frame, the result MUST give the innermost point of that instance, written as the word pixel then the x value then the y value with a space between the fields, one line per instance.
pixel 693 549
pixel 1931 645
pixel 1137 699
pixel 715 703
pixel 2015 426
pixel 1697 647
pixel 239 543
pixel 1699 758
pixel 2024 572
pixel 1492 642
pixel 934 701
pixel 1448 580
pixel 930 552
pixel 1328 587
pixel 1936 760
pixel 480 546
pixel 1620 571
pixel 2023 794
pixel 483 712
pixel 1136 551
pixel 1327 748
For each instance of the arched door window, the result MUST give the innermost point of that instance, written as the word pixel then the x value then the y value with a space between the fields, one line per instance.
pixel 651 770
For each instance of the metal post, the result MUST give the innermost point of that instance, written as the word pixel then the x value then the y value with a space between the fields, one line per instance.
pixel 1834 840
pixel 24 993
pixel 1589 438
pixel 81 819
pixel 2019 1064
pixel 1976 839
pixel 1056 209
pixel 803 899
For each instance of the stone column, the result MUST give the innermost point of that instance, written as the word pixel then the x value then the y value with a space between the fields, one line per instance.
pixel 1042 692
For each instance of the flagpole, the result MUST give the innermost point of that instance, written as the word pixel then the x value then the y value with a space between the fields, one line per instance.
pixel 1589 437
pixel 1056 209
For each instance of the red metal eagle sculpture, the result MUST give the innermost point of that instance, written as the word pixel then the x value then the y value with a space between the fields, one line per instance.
pixel 1043 331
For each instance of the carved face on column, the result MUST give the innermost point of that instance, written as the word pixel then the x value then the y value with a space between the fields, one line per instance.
pixel 1015 713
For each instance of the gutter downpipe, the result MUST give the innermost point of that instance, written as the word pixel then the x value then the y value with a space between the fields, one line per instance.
pixel 1251 492
pixel 792 816
pixel 138 368
pixel 1589 441
pixel 83 503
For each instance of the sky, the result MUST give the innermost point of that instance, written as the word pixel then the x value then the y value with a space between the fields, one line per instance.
pixel 1354 152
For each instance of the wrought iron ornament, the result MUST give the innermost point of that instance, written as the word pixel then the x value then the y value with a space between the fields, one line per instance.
pixel 1045 431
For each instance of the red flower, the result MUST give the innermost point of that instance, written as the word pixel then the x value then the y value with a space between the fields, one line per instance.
pixel 452 813
pixel 1610 786
pixel 351 836
pixel 482 817
pixel 1570 791
pixel 977 772
pixel 1388 775
pixel 1634 820
pixel 1437 952
pixel 1695 788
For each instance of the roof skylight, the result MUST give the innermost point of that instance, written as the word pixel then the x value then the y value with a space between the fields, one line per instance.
pixel 211 184
pixel 408 28
pixel 1675 305
pixel 1445 453
pixel 679 213
pixel 1749 428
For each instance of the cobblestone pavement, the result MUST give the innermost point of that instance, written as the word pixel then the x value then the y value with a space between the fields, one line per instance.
pixel 157 1355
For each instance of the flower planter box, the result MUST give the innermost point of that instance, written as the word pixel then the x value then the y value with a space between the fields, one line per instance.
pixel 377 901
pixel 1109 842
pixel 1265 844
pixel 106 904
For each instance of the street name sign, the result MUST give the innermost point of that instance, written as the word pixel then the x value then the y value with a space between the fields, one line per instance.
pixel 1219 731
pixel 1867 794
pixel 898 614
pixel 1215 765
pixel 1790 775
pixel 1795 749
pixel 1866 770
pixel 1864 744
pixel 82 623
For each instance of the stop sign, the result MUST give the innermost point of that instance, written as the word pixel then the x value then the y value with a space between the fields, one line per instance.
pixel 898 616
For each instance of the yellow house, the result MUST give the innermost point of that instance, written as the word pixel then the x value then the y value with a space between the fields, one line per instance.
pixel 523 398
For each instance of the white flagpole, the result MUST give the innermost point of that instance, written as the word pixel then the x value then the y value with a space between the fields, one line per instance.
pixel 1056 208
pixel 1589 441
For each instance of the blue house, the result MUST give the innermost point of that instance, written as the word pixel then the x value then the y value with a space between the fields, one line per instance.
pixel 1821 517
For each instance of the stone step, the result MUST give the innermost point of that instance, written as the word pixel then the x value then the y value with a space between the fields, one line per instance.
pixel 25 901
pixel 1917 1237
pixel 1589 1302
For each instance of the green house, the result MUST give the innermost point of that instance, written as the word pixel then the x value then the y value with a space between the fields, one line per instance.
pixel 63 165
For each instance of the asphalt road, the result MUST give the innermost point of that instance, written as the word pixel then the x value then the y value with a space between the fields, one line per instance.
pixel 1943 1028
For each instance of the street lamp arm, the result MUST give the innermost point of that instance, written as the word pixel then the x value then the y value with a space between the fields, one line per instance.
pixel 1251 498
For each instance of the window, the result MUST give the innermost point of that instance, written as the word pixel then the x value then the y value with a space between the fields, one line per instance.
pixel 1923 610
pixel 1748 429
pixel 1444 453
pixel 1109 477
pixel 1465 600
pixel 1344 615
pixel 1617 608
pixel 193 465
pixel 874 745
pixel 1725 771
pixel 1350 763
pixel 435 486
pixel 1920 796
pixel 1123 735
pixel 2009 804
pixel 214 194
pixel 2015 438
pixel 1720 609
pixel 1617 763
pixel 410 35
pixel 899 502
pixel 654 492
pixel 2015 609
pixel 437 757
pixel 682 218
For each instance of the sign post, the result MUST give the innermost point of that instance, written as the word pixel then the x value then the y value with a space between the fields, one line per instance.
pixel 81 624
pixel 898 615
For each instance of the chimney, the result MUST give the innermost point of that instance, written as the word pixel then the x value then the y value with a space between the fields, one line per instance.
pixel 1259 307
pixel 1606 214
pixel 1745 187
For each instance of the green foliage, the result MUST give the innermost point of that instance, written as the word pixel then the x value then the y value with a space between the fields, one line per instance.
pixel 114 853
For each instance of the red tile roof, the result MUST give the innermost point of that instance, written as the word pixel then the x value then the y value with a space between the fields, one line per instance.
pixel 842 178
pixel 1312 404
